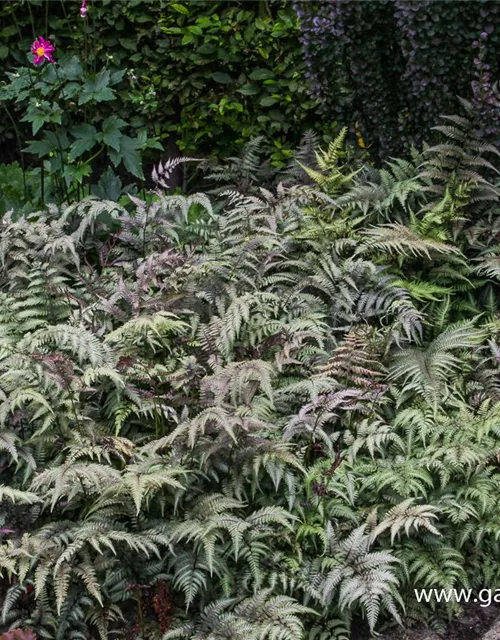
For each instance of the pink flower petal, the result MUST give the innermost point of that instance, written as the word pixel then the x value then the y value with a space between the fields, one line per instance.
pixel 45 47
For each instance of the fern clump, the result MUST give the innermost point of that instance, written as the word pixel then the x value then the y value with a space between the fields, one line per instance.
pixel 269 412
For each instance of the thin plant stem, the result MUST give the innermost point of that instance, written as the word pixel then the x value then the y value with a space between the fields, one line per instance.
pixel 99 151
pixel 65 14
pixel 60 81
pixel 64 186
pixel 85 43
pixel 140 613
pixel 18 27
pixel 69 24
pixel 32 21
pixel 268 8
pixel 18 138
pixel 64 189
pixel 42 182
pixel 75 413
pixel 19 32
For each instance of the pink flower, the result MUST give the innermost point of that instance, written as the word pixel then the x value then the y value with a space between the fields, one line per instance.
pixel 42 50
pixel 83 9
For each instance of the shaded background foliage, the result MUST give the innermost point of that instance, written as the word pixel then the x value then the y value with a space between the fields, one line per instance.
pixel 202 75
pixel 209 76
pixel 403 63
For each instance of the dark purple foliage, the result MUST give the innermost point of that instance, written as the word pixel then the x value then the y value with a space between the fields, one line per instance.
pixel 394 66
pixel 485 94
pixel 18 634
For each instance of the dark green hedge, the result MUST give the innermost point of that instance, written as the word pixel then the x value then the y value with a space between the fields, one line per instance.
pixel 205 76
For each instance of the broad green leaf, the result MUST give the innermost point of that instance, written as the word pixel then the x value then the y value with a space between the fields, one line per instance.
pixel 41 112
pixel 86 138
pixel 129 155
pixel 154 143
pixel 180 8
pixel 71 89
pixel 76 172
pixel 221 77
pixel 249 89
pixel 206 48
pixel 268 101
pixel 128 43
pixel 261 74
pixel 40 147
pixel 8 31
pixel 116 77
pixel 70 68
pixel 111 132
pixel 109 186
pixel 97 89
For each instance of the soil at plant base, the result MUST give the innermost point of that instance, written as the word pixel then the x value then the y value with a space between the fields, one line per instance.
pixel 475 623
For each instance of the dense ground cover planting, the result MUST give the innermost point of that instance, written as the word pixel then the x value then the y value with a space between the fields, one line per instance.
pixel 266 411
pixel 254 396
